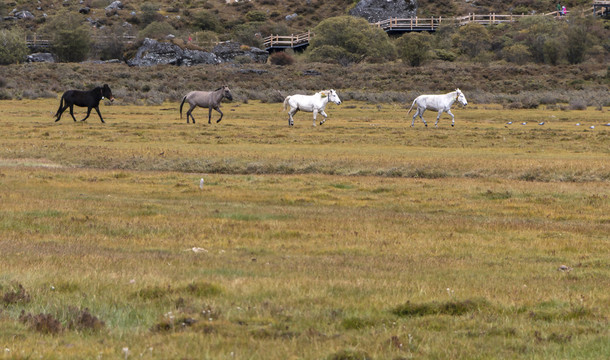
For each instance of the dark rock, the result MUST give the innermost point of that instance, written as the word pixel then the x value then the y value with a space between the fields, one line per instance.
pixel 84 10
pixel 378 10
pixel 24 14
pixel 41 57
pixel 253 71
pixel 228 51
pixel 311 73
pixel 153 52
pixel 115 5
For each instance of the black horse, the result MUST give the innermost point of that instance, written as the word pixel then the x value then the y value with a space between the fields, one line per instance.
pixel 89 99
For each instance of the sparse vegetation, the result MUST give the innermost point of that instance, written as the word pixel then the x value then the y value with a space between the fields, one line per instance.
pixel 376 240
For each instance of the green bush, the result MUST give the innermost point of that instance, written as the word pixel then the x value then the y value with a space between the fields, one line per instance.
pixel 14 48
pixel 157 30
pixel 333 54
pixel 350 39
pixel 150 12
pixel 204 20
pixel 413 48
pixel 71 40
pixel 517 53
pixel 445 55
pixel 472 39
pixel 256 15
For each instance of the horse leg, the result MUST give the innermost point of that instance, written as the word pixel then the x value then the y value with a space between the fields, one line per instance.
pixel 210 116
pixel 315 115
pixel 438 117
pixel 421 116
pixel 325 116
pixel 290 114
pixel 61 111
pixel 221 114
pixel 190 113
pixel 88 112
pixel 72 112
pixel 452 118
pixel 97 108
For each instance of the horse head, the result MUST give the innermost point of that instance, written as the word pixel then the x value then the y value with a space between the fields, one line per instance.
pixel 226 92
pixel 106 93
pixel 332 96
pixel 459 96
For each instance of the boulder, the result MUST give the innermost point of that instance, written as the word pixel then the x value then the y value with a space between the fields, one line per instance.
pixel 115 5
pixel 41 57
pixel 229 50
pixel 24 14
pixel 153 52
pixel 378 10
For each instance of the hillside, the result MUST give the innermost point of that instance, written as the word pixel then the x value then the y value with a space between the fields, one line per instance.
pixel 223 18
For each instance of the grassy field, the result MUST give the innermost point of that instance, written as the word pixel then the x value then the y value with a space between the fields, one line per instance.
pixel 361 238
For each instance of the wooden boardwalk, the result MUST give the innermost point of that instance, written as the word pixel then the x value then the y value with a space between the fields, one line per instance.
pixel 398 25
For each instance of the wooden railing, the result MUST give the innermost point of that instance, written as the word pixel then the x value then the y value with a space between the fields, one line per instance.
pixel 41 41
pixel 287 41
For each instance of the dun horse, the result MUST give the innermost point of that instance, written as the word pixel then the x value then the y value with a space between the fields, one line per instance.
pixel 206 99
pixel 89 99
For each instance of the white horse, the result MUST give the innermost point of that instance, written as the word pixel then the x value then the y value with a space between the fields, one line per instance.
pixel 311 103
pixel 438 103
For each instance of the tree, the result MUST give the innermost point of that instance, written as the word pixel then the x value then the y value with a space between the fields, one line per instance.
pixel 71 40
pixel 472 39
pixel 13 48
pixel 347 39
pixel 413 48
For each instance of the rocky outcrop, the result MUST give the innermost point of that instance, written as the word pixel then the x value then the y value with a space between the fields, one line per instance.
pixel 153 52
pixel 377 10
pixel 41 57
pixel 228 51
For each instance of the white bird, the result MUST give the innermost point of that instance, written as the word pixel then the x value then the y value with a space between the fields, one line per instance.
pixel 591 127
pixel 201 184
pixel 564 268
pixel 577 124
pixel 509 123
pixel 542 123
pixel 523 123
pixel 608 124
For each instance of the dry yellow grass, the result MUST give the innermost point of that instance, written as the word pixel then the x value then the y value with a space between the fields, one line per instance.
pixel 360 238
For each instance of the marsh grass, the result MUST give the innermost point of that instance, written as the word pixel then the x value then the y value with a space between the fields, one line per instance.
pixel 363 238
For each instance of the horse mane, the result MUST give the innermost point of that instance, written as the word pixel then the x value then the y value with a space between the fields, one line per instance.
pixel 218 88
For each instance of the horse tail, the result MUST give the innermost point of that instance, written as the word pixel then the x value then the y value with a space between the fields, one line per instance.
pixel 286 102
pixel 411 108
pixel 61 104
pixel 183 100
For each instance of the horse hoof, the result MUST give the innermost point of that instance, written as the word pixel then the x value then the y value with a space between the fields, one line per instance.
pixel 452 125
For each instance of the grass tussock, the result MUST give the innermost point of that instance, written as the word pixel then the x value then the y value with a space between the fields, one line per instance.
pixel 452 308
pixel 16 294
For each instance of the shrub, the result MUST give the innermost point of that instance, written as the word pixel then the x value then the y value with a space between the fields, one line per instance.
pixel 204 20
pixel 71 41
pixel 445 55
pixel 578 104
pixel 413 48
pixel 149 12
pixel 256 15
pixel 517 53
pixel 281 58
pixel 552 50
pixel 472 39
pixel 350 39
pixel 577 44
pixel 13 49
pixel 157 30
